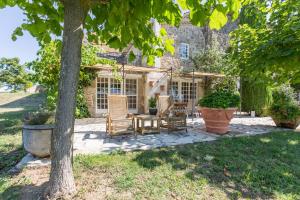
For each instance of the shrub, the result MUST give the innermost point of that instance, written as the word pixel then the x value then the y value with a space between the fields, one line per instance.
pixel 284 106
pixel 256 95
pixel 221 98
pixel 39 118
pixel 152 102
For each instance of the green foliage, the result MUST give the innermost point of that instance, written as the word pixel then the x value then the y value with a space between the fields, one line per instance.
pixel 284 106
pixel 39 117
pixel 13 74
pixel 178 171
pixel 255 96
pixel 47 68
pixel 228 83
pixel 267 45
pixel 122 22
pixel 221 99
pixel 152 102
pixel 211 61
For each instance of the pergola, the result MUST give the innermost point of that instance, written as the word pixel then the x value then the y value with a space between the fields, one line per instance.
pixel 123 68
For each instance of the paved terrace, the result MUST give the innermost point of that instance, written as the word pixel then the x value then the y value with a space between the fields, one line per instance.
pixel 90 137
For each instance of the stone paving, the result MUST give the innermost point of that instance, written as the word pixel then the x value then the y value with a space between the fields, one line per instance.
pixel 90 136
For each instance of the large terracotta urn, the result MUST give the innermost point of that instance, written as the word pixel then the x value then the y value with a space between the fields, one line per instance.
pixel 37 139
pixel 217 119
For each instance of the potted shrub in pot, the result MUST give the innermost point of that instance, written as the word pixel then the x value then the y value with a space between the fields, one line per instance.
pixel 284 109
pixel 217 109
pixel 37 130
pixel 152 106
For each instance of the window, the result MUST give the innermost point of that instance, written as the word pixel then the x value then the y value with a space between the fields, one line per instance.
pixel 106 86
pixel 184 51
pixel 102 91
pixel 187 91
pixel 131 92
pixel 175 90
pixel 115 86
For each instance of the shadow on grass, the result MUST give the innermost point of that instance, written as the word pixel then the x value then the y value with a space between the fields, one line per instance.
pixel 24 191
pixel 11 158
pixel 248 167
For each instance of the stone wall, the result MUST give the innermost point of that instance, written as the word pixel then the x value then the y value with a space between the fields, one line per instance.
pixel 196 38
pixel 90 97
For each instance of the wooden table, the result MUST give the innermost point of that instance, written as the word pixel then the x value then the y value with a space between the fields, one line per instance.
pixel 142 128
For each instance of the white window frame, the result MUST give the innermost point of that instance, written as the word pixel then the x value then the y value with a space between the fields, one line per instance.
pixel 186 48
pixel 101 111
pixel 190 82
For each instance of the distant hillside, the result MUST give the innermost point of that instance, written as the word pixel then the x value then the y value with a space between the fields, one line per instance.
pixel 20 101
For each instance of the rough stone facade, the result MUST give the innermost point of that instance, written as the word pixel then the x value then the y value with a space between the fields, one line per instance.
pixel 153 84
pixel 197 40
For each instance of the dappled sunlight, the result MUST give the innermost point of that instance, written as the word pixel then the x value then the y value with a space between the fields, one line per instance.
pixel 265 140
pixel 293 142
pixel 242 167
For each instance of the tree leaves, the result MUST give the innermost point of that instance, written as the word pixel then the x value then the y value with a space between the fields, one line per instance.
pixel 122 22
pixel 217 19
pixel 13 74
pixel 268 44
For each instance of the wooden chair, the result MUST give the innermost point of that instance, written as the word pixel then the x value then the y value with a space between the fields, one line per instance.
pixel 171 115
pixel 118 120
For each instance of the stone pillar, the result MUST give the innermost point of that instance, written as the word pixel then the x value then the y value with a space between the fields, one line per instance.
pixel 90 93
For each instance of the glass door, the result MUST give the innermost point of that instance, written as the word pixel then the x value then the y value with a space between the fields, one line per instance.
pixel 106 86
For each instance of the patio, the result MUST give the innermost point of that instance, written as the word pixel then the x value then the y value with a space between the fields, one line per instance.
pixel 90 136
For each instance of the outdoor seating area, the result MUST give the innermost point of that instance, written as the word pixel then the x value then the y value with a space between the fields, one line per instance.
pixel 90 136
pixel 171 115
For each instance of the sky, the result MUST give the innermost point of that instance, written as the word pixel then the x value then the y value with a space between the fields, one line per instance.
pixel 25 47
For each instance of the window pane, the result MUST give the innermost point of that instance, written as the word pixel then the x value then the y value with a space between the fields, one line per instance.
pixel 193 91
pixel 115 86
pixel 175 90
pixel 185 91
pixel 184 51
pixel 102 91
pixel 131 92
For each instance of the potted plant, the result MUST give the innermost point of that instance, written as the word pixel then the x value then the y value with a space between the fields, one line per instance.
pixel 37 130
pixel 217 109
pixel 152 106
pixel 284 109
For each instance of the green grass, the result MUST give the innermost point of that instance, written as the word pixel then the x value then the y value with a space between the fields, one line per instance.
pixel 13 106
pixel 266 167
pixel 259 167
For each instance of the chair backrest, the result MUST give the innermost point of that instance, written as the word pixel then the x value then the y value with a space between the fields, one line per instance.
pixel 117 106
pixel 164 104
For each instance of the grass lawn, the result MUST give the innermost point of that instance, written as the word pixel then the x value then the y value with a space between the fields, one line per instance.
pixel 259 167
pixel 13 106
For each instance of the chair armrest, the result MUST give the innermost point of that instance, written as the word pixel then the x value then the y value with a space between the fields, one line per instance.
pixel 130 115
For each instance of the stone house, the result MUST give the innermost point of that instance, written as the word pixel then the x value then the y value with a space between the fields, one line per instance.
pixel 171 75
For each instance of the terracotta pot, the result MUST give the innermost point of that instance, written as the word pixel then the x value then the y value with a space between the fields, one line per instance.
pixel 217 119
pixel 292 124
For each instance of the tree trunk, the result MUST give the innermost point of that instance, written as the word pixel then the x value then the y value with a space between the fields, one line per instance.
pixel 207 32
pixel 61 181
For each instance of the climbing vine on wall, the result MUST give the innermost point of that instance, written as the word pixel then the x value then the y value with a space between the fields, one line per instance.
pixel 46 72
